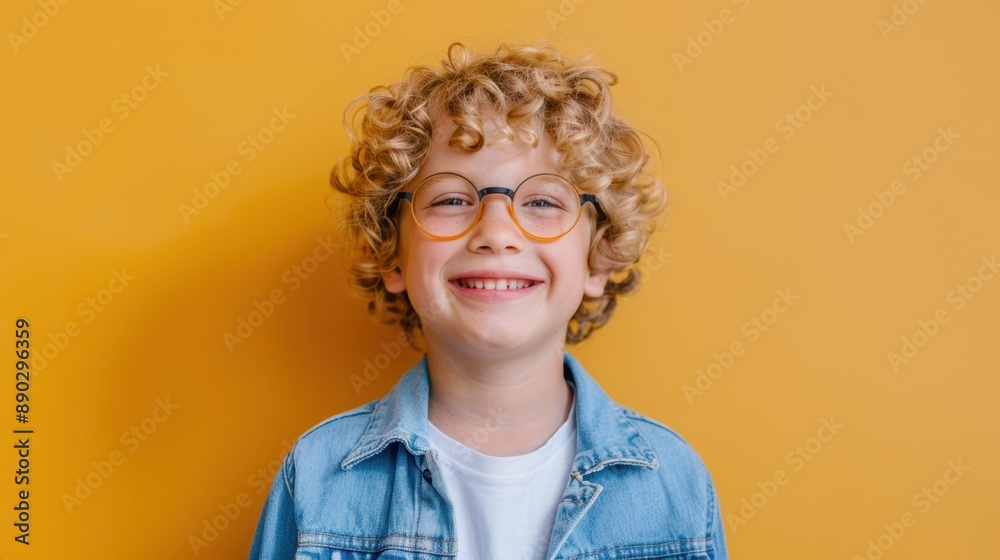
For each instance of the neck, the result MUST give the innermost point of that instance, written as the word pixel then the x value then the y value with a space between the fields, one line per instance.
pixel 518 401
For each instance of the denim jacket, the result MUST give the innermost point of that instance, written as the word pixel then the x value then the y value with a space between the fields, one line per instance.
pixel 364 484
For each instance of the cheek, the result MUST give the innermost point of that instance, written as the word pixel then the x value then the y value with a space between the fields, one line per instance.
pixel 569 265
pixel 423 263
pixel 581 251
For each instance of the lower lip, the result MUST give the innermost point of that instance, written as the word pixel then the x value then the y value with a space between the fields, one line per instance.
pixel 482 294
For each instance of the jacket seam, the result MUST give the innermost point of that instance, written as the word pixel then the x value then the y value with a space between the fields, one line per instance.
pixel 708 542
pixel 358 411
pixel 289 470
pixel 712 498
pixel 637 416
pixel 376 539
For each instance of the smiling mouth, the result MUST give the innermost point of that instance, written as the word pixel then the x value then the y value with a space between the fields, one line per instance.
pixel 494 283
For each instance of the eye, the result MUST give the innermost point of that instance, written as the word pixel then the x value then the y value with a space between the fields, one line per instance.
pixel 546 194
pixel 542 202
pixel 451 201
pixel 445 191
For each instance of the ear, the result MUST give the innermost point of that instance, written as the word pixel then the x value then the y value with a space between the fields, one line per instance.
pixel 594 284
pixel 395 282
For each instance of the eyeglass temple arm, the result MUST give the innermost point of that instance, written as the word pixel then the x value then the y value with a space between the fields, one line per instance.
pixel 585 198
pixel 394 205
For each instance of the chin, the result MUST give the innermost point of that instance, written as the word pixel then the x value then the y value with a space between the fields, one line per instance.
pixel 487 341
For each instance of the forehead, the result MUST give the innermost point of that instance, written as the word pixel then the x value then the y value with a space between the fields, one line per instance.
pixel 499 156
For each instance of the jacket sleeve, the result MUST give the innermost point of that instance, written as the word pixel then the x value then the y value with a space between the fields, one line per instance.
pixel 277 536
pixel 716 530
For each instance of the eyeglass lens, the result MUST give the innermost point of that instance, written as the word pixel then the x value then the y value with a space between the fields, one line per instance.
pixel 546 206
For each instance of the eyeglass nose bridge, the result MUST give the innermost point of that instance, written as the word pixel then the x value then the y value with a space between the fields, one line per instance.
pixel 496 190
pixel 510 207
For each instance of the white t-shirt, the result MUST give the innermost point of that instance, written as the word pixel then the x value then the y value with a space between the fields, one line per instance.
pixel 505 507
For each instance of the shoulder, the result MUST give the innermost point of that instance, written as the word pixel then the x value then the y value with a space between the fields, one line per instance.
pixel 329 441
pixel 672 451
pixel 676 461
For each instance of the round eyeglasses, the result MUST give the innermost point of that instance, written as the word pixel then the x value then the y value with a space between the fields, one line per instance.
pixel 544 206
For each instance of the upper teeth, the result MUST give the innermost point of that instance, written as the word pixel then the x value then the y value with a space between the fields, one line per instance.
pixel 494 283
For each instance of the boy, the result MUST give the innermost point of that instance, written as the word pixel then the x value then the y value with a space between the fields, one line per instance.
pixel 492 201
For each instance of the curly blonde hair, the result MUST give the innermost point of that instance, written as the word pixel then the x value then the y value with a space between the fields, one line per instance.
pixel 520 87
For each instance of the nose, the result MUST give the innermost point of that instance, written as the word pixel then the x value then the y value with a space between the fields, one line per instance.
pixel 496 231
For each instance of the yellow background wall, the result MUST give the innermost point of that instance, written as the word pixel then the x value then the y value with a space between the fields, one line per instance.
pixel 165 171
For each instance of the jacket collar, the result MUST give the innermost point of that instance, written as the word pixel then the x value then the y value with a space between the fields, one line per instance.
pixel 605 435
